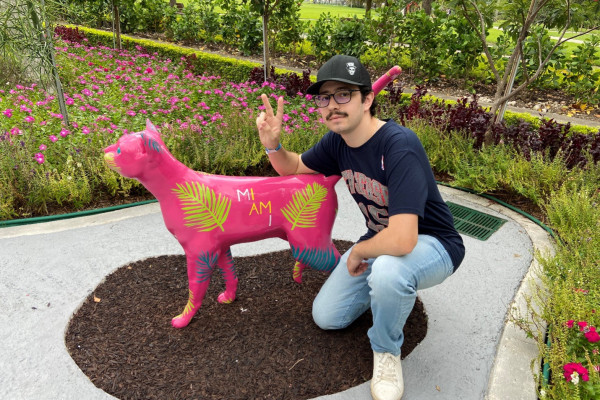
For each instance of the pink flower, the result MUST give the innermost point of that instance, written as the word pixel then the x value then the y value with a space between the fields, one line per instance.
pixel 87 92
pixel 131 113
pixel 43 147
pixel 70 101
pixel 15 131
pixel 29 118
pixel 64 132
pixel 582 325
pixel 572 371
pixel 85 130
pixel 570 323
pixel 592 336
pixel 39 157
pixel 8 113
pixel 52 138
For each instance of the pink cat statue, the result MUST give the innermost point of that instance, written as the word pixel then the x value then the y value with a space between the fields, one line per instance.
pixel 208 214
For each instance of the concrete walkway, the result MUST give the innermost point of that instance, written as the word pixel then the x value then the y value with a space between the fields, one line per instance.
pixel 471 351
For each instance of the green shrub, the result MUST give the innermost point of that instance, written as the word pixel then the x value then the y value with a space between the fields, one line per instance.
pixel 348 36
pixel 319 34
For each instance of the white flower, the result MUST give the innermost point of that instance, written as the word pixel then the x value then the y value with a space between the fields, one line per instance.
pixel 575 378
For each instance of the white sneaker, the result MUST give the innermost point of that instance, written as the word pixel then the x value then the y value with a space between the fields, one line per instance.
pixel 387 382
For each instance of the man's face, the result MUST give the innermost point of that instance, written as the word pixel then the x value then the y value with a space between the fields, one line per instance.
pixel 342 118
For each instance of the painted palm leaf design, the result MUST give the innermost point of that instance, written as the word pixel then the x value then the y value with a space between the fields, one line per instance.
pixel 302 210
pixel 319 259
pixel 229 267
pixel 202 207
pixel 204 266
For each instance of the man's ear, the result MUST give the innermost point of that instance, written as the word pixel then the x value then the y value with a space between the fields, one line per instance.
pixel 369 98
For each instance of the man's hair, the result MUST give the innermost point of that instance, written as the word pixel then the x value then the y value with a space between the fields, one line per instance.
pixel 363 94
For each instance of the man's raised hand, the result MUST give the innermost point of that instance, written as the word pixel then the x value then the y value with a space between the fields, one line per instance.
pixel 269 124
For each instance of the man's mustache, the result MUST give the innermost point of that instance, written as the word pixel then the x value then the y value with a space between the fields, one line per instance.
pixel 335 112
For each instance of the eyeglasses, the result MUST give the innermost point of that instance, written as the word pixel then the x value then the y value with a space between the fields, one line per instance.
pixel 341 96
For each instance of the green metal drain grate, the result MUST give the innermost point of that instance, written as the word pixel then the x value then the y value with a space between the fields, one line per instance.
pixel 474 223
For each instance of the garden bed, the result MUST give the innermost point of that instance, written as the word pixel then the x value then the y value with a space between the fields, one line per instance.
pixel 264 345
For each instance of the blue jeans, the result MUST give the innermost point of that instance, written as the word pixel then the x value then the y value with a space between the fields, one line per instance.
pixel 389 286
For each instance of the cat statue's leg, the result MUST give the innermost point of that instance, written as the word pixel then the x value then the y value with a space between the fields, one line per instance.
pixel 320 255
pixel 199 268
pixel 225 264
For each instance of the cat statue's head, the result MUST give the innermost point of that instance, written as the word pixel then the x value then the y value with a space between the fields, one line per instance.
pixel 135 153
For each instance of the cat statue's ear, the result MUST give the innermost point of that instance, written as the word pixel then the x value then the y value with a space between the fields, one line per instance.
pixel 151 128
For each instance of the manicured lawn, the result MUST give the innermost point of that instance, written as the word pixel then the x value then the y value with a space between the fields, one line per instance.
pixel 313 11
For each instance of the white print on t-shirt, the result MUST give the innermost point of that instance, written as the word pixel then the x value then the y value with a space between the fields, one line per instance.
pixel 374 215
pixel 372 190
pixel 358 182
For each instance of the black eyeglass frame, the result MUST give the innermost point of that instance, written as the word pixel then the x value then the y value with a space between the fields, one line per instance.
pixel 319 97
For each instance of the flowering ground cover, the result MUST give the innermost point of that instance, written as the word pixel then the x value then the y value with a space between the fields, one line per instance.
pixel 208 123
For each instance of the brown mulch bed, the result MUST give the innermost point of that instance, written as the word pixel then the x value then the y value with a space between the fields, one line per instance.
pixel 264 345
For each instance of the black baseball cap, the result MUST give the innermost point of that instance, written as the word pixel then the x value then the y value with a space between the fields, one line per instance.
pixel 341 68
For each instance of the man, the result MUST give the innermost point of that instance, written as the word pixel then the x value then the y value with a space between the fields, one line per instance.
pixel 411 242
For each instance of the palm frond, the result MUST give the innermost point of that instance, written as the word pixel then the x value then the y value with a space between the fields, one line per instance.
pixel 319 259
pixel 204 266
pixel 302 210
pixel 203 208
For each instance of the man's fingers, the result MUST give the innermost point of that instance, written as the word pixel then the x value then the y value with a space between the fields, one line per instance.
pixel 280 107
pixel 267 104
pixel 260 119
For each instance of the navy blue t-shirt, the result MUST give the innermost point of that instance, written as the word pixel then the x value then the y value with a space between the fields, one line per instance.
pixel 390 174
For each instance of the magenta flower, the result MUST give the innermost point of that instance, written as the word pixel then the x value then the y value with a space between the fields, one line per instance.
pixel 39 157
pixel 29 119
pixel 86 92
pixel 131 113
pixel 85 130
pixel 64 132
pixel 570 323
pixel 8 113
pixel 15 131
pixel 592 336
pixel 53 138
pixel 43 147
pixel 70 101
pixel 572 372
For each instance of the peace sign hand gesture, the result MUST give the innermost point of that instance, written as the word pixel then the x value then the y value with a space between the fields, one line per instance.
pixel 269 124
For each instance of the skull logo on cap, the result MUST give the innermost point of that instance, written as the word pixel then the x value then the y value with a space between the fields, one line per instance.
pixel 351 68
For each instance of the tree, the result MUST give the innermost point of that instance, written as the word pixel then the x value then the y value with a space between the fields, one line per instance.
pixel 285 11
pixel 426 4
pixel 26 41
pixel 522 17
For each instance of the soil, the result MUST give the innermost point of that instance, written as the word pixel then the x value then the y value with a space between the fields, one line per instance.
pixel 264 345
